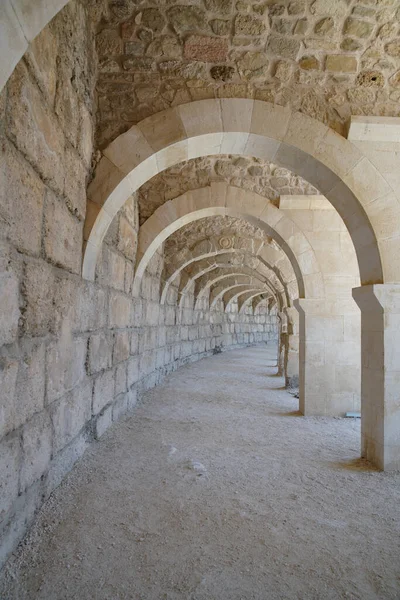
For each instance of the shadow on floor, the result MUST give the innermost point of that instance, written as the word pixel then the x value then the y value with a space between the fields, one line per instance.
pixel 354 464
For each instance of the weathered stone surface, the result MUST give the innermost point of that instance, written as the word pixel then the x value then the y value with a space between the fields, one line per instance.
pixel 324 26
pixel 152 19
pixel 358 28
pixel 253 64
pixel 187 18
pixel 222 7
pixel 309 63
pixel 108 42
pixel 10 460
pixel 393 48
pixel 29 394
pixel 65 365
pixel 9 308
pixel 286 47
pixel 207 49
pixel 121 349
pixel 36 449
pixel 70 414
pixel 8 380
pixel 103 390
pixel 62 235
pixel 370 79
pixel 21 200
pixel 220 27
pixel 34 129
pixel 222 73
pixel 343 64
pixel 248 25
pixel 165 47
pixel 350 45
pixel 119 310
pixel 133 371
pixel 38 293
pixel 99 352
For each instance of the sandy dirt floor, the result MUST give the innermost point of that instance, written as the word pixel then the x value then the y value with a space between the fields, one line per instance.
pixel 216 489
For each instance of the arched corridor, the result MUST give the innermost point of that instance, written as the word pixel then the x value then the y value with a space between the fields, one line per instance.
pixel 216 489
pixel 214 181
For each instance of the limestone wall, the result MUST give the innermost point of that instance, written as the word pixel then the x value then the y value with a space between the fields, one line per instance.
pixel 74 356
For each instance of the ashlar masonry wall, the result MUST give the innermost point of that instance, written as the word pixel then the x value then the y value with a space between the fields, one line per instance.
pixel 74 356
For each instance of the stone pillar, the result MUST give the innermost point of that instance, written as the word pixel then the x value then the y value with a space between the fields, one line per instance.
pixel 282 344
pixel 329 356
pixel 292 354
pixel 380 381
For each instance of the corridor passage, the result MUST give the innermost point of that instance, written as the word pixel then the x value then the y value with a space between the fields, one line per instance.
pixel 216 489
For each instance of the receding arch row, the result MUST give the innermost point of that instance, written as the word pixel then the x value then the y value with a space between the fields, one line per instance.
pixel 208 251
pixel 221 198
pixel 248 127
pixel 206 279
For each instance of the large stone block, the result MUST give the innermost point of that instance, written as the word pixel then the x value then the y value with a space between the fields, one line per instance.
pixel 133 371
pixel 9 308
pixel 121 378
pixel 99 352
pixel 65 365
pixel 76 174
pixel 63 462
pixel 10 460
pixel 8 380
pixel 103 390
pixel 63 234
pixel 30 384
pixel 36 449
pixel 21 200
pixel 119 310
pixel 38 292
pixel 103 421
pixel 70 414
pixel 120 406
pixel 121 346
pixel 34 129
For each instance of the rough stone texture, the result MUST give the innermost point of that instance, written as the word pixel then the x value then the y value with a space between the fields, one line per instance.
pixel 260 176
pixel 252 49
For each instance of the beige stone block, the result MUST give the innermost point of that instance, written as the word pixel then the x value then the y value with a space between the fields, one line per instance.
pixel 10 458
pixel 65 365
pixel 236 114
pixel 173 154
pixel 163 129
pixel 8 381
pixel 99 352
pixel 366 182
pixel 261 146
pixel 305 133
pixel 119 310
pixel 62 235
pixel 34 129
pixel 106 178
pixel 70 414
pixel 384 214
pixel 21 200
pixel 372 128
pixel 9 308
pixel 103 391
pixel 36 449
pixel 234 142
pixel 129 150
pixel 201 117
pixel 269 120
pixel 204 145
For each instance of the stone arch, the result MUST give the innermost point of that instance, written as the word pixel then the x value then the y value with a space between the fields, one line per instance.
pixel 210 250
pixel 250 127
pixel 223 199
pixel 198 277
pixel 226 279
pixel 246 297
pixel 227 293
